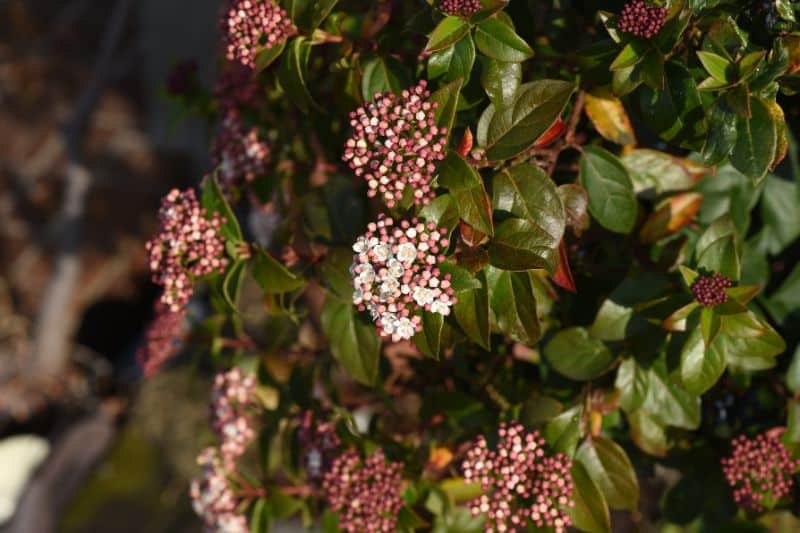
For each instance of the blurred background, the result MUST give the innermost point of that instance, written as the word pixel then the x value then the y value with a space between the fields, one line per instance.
pixel 90 143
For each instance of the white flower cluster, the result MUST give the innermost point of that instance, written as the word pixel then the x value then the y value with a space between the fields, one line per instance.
pixel 395 273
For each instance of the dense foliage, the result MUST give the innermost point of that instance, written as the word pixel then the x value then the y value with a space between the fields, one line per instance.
pixel 490 265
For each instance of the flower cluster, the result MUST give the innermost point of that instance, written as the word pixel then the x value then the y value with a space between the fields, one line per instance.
pixel 319 444
pixel 641 20
pixel 213 499
pixel 231 402
pixel 396 144
pixel 394 273
pixel 759 471
pixel 521 483
pixel 462 8
pixel 187 245
pixel 710 290
pixel 251 25
pixel 238 152
pixel 163 339
pixel 366 494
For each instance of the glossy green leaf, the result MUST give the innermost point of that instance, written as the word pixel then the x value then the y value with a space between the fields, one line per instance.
pixel 534 109
pixel 294 71
pixel 576 355
pixel 232 283
pixel 267 56
pixel 213 201
pixel 632 382
pixel 527 193
pixel 446 97
pixel 499 41
pixel 563 432
pixel 272 276
pixel 353 341
pixel 702 364
pixel 608 465
pixel 429 340
pixel 721 133
pixel 513 304
pixel 668 403
pixel 449 31
pixel 500 80
pixel 612 201
pixel 756 141
pixel 717 66
pixel 472 312
pixel 631 54
pixel 382 75
pixel 590 512
pixel 466 188
pixel 454 62
pixel 750 343
pixel 443 211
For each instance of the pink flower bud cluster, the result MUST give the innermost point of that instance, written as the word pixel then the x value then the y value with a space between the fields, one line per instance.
pixel 395 273
pixel 188 245
pixel 366 494
pixel 164 338
pixel 239 153
pixel 521 483
pixel 641 20
pixel 710 290
pixel 213 498
pixel 461 8
pixel 319 444
pixel 759 471
pixel 396 144
pixel 253 25
pixel 232 400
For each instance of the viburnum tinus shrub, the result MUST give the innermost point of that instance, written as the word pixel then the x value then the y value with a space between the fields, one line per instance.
pixel 483 265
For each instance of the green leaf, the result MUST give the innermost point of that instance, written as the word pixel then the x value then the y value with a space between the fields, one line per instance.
pixel 721 256
pixel 383 75
pixel 446 98
pixel 293 72
pixel 443 211
pixel 793 373
pixel 461 279
pixel 631 54
pixel 232 283
pixel 472 312
pixel 590 512
pixel 756 141
pixel 780 213
pixel 612 201
pixel 513 304
pixel 429 340
pixel 499 41
pixel 750 343
pixel 213 201
pixel 702 364
pixel 648 434
pixel 454 62
pixel 717 66
pixel 785 301
pixel 527 193
pixel 676 113
pixel 576 355
pixel 267 56
pixel 632 383
pixel 668 403
pixel 466 188
pixel 534 109
pixel 271 276
pixel 563 432
pixel 721 133
pixel 353 341
pixel 654 172
pixel 608 465
pixel 261 516
pixel 500 80
pixel 449 31
pixel 517 245
pixel 320 10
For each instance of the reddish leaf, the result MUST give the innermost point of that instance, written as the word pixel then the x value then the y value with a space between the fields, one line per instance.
pixel 551 135
pixel 470 235
pixel 465 146
pixel 563 275
pixel 670 216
